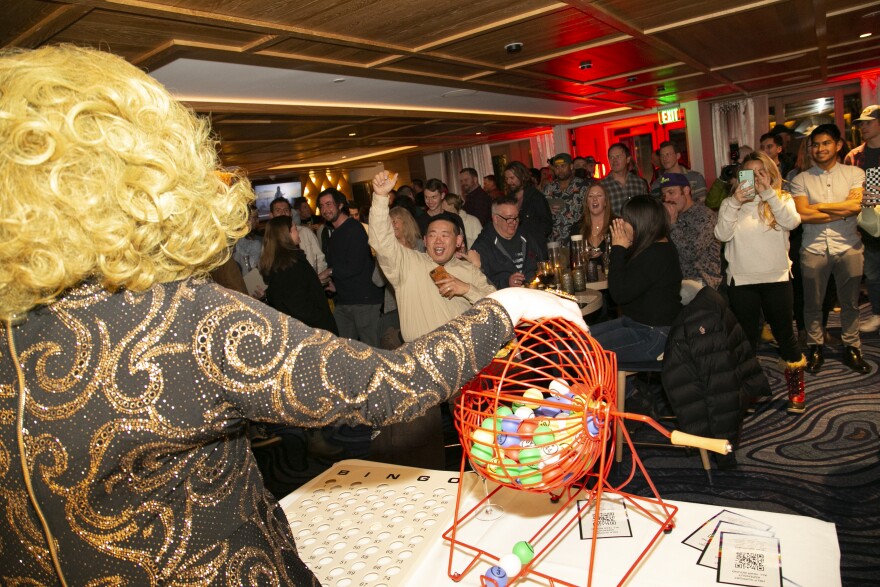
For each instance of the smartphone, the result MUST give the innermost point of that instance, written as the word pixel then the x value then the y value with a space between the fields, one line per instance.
pixel 439 272
pixel 747 176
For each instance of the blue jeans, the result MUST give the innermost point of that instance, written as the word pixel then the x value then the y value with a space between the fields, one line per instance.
pixel 632 341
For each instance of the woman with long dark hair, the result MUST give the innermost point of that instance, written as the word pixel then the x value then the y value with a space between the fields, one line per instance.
pixel 644 278
pixel 293 286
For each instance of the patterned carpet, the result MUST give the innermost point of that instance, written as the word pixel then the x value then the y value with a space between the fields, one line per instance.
pixel 824 463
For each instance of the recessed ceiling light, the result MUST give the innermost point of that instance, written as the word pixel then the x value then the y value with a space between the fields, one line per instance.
pixel 586 64
pixel 339 80
pixel 631 79
pixel 865 35
pixel 352 134
pixel 512 48
pixel 344 157
pixel 478 133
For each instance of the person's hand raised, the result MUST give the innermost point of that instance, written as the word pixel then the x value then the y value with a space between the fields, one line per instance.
pixel 383 183
pixel 621 233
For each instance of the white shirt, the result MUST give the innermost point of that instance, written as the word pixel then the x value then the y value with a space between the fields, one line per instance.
pixel 829 186
pixel 755 252
pixel 308 242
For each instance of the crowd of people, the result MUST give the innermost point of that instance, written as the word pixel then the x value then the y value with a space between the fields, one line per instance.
pixel 776 235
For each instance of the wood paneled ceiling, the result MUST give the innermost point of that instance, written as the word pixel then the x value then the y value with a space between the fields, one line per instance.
pixel 449 80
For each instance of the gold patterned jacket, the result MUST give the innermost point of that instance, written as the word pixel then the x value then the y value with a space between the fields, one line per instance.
pixel 122 428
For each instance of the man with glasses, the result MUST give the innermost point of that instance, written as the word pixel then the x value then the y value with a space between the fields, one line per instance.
pixel 509 254
pixel 566 195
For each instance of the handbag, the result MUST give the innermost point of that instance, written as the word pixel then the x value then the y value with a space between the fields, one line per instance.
pixel 869 221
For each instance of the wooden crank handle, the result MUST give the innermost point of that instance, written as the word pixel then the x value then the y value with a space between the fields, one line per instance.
pixel 719 445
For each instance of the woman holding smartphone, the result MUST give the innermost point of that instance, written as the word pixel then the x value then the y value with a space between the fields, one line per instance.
pixel 755 222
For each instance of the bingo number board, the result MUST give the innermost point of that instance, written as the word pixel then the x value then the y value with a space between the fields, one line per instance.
pixel 359 525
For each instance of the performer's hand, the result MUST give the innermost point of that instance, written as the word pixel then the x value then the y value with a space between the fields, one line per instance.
pixel 383 183
pixel 531 304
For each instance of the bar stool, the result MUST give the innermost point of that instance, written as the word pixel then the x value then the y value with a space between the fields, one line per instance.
pixel 624 370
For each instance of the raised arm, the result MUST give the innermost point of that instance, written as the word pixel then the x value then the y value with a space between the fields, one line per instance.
pixel 728 214
pixel 389 252
pixel 274 368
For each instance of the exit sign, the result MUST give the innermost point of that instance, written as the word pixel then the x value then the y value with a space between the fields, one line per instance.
pixel 667 116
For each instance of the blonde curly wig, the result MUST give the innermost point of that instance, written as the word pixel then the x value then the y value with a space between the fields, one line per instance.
pixel 104 176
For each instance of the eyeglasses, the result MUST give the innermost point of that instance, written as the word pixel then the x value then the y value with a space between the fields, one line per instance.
pixel 509 220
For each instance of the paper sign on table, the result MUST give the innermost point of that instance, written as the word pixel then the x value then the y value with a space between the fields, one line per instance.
pixel 748 560
pixel 700 536
pixel 709 557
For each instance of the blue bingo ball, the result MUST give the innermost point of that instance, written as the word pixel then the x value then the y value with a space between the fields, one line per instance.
pixel 510 425
pixel 547 411
pixel 498 575
pixel 506 440
pixel 592 426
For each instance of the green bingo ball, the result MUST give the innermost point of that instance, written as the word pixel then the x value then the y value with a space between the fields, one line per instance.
pixel 529 456
pixel 482 454
pixel 534 479
pixel 492 424
pixel 545 438
pixel 524 551
pixel 503 411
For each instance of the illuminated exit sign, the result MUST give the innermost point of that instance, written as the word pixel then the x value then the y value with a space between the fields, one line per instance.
pixel 667 116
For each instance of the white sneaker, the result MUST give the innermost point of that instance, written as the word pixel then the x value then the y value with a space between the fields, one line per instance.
pixel 872 324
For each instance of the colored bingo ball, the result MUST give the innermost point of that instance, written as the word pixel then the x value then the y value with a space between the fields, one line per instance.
pixel 498 575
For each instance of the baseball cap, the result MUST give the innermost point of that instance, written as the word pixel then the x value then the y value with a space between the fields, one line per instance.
pixel 674 179
pixel 870 113
pixel 561 158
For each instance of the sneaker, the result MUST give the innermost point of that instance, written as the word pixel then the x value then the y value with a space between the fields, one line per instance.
pixel 872 324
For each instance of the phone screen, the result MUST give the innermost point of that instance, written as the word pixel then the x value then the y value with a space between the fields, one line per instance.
pixel 747 175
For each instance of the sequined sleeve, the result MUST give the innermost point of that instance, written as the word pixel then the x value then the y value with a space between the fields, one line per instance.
pixel 276 369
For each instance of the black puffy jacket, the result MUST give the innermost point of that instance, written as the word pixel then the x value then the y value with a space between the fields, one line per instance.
pixel 709 370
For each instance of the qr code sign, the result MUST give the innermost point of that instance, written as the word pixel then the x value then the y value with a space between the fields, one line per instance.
pixel 751 561
pixel 607 519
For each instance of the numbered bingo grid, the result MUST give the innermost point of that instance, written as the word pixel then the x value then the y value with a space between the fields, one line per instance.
pixel 369 524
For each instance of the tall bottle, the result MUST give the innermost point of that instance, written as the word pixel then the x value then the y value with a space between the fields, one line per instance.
pixel 578 253
pixel 606 257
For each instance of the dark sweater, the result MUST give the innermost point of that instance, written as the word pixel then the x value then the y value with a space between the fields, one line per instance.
pixel 349 255
pixel 535 213
pixel 297 292
pixel 496 262
pixel 479 204
pixel 647 287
